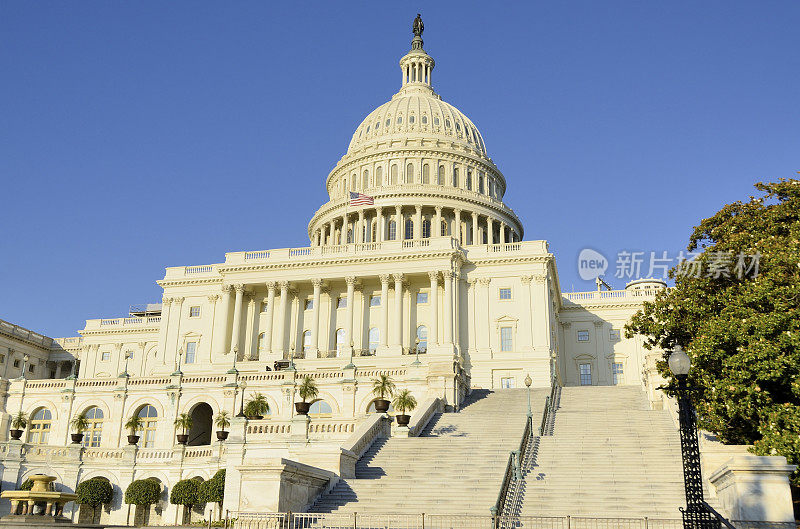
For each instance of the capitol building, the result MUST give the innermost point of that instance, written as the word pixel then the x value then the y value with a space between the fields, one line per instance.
pixel 416 268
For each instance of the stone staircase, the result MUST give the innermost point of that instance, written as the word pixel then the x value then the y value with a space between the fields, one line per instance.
pixel 609 455
pixel 455 466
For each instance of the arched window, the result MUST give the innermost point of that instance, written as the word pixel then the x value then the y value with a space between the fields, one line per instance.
pixel 39 431
pixel 349 235
pixel 353 181
pixel 410 173
pixel 393 175
pixel 306 341
pixel 147 434
pixel 422 335
pixel 92 434
pixel 339 341
pixel 455 177
pixel 409 229
pixel 378 176
pixel 445 231
pixel 426 229
pixel 374 339
pixel 365 179
pixel 469 180
pixel 320 408
pixel 440 179
pixel 480 184
pixel 426 174
pixel 424 120
pixel 262 343
pixel 374 231
pixel 392 230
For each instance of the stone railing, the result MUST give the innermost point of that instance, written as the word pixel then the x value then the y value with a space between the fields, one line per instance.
pixel 103 453
pixel 422 416
pixel 25 334
pixel 46 385
pixel 610 295
pixel 70 341
pixel 113 323
pixel 264 429
pixel 375 426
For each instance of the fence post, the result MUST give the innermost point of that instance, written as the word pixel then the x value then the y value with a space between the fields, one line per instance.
pixel 646 524
pixel 209 519
pixel 568 522
pixel 355 520
pixel 226 518
pixel 423 520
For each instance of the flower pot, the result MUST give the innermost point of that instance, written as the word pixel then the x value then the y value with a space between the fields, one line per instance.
pixel 16 434
pixel 254 417
pixel 302 407
pixel 76 438
pixel 403 420
pixel 382 405
pixel 133 439
pixel 222 435
pixel 182 438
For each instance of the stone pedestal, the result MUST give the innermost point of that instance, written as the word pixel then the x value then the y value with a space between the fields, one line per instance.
pixel 279 485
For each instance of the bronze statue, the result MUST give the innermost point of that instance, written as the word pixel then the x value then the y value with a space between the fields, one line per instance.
pixel 418 26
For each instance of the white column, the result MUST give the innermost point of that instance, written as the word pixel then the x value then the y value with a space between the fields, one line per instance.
pixel 438 228
pixel 250 326
pixel 221 321
pixel 315 314
pixel 474 228
pixel 163 330
pixel 360 235
pixel 433 335
pixel 457 233
pixel 384 310
pixel 398 309
pixel 330 233
pixel 502 232
pixel 348 328
pixel 448 307
pixel 380 232
pixel 284 314
pixel 489 231
pixel 398 223
pixel 237 316
pixel 343 234
pixel 270 315
pixel 418 223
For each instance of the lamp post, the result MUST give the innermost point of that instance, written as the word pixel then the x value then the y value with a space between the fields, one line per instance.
pixel 696 516
pixel 416 351
pixel 243 385
pixel 291 366
pixel 125 374
pixel 528 383
pixel 178 364
pixel 351 365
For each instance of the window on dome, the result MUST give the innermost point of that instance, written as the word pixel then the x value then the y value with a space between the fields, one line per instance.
pixel 440 180
pixel 399 119
pixel 424 120
pixel 455 177
pixel 393 175
pixel 367 129
pixel 409 229
pixel 392 230
pixel 378 176
pixel 447 123
pixel 410 173
pixel 426 229
pixel 435 120
pixel 480 184
pixel 365 180
pixel 377 125
pixel 458 127
pixel 411 119
pixel 425 174
pixel 469 180
pixel 388 122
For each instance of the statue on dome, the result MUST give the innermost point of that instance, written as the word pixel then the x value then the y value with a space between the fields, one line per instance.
pixel 418 26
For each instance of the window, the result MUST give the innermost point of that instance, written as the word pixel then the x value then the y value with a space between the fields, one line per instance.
pixel 613 335
pixel 339 341
pixel 264 306
pixel 422 297
pixel 378 176
pixel 480 184
pixel 426 229
pixel 92 434
pixel 411 118
pixel 616 371
pixel 392 230
pixel 447 123
pixel 191 352
pixel 410 174
pixel 375 301
pixel 586 374
pixel 583 336
pixel 306 341
pixel 262 342
pixel 194 312
pixel 424 120
pixel 440 179
pixel 455 177
pixel 341 302
pixel 374 339
pixel 422 336
pixel 349 235
pixel 458 127
pixel 507 382
pixel 444 229
pixel 388 122
pixel 105 356
pixel 469 180
pixel 409 229
pixel 16 363
pixel 425 174
pixel 506 343
pixel 31 368
pixel 320 408
pixel 377 125
pixel 365 180
pixel 309 304
pixel 435 120
pixel 147 434
pixel 2 359
pixel 505 294
pixel 39 430
pixel 393 175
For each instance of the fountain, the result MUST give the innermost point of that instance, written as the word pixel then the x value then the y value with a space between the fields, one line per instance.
pixel 23 503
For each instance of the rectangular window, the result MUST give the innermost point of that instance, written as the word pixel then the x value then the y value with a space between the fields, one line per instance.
pixel 2 359
pixel 586 374
pixel 309 304
pixel 191 350
pixel 31 368
pixel 507 382
pixel 506 343
pixel 194 312
pixel 505 293
pixel 617 372
pixel 583 336
pixel 264 307
pixel 613 334
pixel 375 301
pixel 16 363
pixel 422 297
pixel 105 356
pixel 341 303
pixel 52 373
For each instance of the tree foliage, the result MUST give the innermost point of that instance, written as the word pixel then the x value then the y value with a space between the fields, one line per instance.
pixel 742 331
pixel 185 492
pixel 26 485
pixel 94 492
pixel 213 490
pixel 143 492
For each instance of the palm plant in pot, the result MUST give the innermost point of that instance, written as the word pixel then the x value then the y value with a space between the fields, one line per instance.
pixel 133 424
pixel 403 402
pixel 18 424
pixel 222 420
pixel 184 422
pixel 80 424
pixel 256 407
pixel 382 387
pixel 308 391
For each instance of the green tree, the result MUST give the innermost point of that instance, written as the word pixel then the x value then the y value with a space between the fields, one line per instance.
pixel 186 493
pixel 143 492
pixel 26 485
pixel 94 492
pixel 738 317
pixel 213 490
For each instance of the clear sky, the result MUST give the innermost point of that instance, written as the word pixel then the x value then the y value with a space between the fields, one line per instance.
pixel 140 135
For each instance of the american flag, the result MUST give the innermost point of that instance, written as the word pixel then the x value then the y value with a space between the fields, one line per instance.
pixel 359 199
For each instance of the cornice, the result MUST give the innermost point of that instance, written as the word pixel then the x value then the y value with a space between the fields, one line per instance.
pixel 111 330
pixel 188 282
pixel 569 305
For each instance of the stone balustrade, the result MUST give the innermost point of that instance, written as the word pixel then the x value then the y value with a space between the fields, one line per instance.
pixel 25 334
pixel 610 295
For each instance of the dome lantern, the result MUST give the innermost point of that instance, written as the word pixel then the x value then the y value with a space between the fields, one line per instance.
pixel 417 65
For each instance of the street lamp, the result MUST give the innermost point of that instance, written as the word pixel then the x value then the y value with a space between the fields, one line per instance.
pixel 243 385
pixel 696 515
pixel 125 374
pixel 528 383
pixel 416 351
pixel 351 365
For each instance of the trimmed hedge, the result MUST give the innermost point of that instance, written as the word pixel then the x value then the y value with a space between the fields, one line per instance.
pixel 94 492
pixel 143 492
pixel 185 492
pixel 213 490
pixel 26 485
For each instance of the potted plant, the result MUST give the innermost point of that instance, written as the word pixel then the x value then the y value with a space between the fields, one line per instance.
pixel 403 402
pixel 307 390
pixel 222 420
pixel 256 407
pixel 381 388
pixel 134 424
pixel 18 424
pixel 80 423
pixel 184 422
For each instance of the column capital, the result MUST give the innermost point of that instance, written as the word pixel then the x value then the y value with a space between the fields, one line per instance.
pixel 379 209
pixel 284 285
pixel 361 213
pixel 178 300
pixel 350 280
pixel 457 211
pixel 316 282
pixel 540 278
pixel 447 274
pixel 398 278
pixel 526 280
pixel 434 276
pixel 385 278
pixel 438 209
pixel 239 287
pixel 166 301
pixel 484 280
pixel 212 298
pixel 598 323
pixel 270 285
pixel 225 288
pixel 142 345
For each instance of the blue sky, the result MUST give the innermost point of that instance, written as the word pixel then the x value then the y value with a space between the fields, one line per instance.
pixel 139 135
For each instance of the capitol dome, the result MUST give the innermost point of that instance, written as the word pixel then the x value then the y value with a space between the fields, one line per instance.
pixel 416 167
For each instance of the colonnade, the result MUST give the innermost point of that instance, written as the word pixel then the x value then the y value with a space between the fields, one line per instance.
pixel 390 223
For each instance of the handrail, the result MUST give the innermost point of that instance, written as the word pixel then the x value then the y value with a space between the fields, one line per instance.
pixel 721 519
pixel 549 408
pixel 511 466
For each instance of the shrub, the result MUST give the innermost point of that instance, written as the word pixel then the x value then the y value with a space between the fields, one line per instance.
pixel 94 492
pixel 213 490
pixel 143 492
pixel 26 485
pixel 185 492
pixel 256 406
